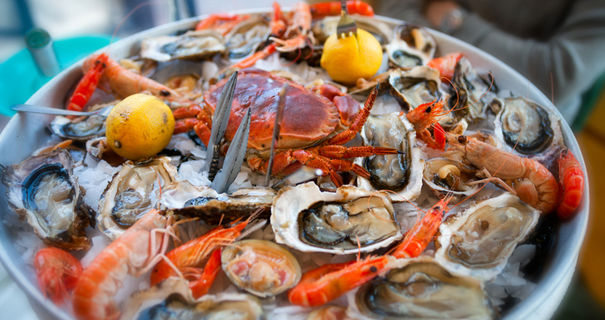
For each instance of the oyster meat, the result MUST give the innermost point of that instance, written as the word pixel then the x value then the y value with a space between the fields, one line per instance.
pixel 131 193
pixel 43 190
pixel 479 240
pixel 342 222
pixel 188 200
pixel 202 44
pixel 172 299
pixel 401 173
pixel 412 46
pixel 260 267
pixel 529 128
pixel 420 288
pixel 416 86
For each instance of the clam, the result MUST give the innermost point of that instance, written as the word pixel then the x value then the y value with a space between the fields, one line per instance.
pixel 172 299
pixel 188 200
pixel 470 92
pixel 401 173
pixel 347 221
pixel 411 46
pixel 416 86
pixel 420 288
pixel 202 44
pixel 131 193
pixel 81 129
pixel 260 267
pixel 528 128
pixel 43 190
pixel 479 240
pixel 446 176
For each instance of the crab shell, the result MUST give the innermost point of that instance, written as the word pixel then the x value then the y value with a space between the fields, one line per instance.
pixel 413 187
pixel 291 202
pixel 308 117
pixel 472 241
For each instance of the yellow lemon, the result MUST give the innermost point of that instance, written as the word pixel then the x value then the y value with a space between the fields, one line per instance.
pixel 139 126
pixel 348 59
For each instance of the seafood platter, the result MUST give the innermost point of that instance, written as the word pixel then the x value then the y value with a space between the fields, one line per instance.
pixel 442 184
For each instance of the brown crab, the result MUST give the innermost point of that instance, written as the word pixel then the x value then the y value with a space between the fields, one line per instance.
pixel 316 123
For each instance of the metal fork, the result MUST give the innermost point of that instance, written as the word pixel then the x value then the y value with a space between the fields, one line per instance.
pixel 346 25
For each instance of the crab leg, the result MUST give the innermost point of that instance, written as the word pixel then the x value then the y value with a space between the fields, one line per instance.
pixel 339 152
pixel 355 128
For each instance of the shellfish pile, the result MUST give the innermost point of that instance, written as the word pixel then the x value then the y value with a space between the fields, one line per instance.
pixel 420 226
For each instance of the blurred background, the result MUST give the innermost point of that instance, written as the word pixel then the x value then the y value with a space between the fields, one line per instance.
pixel 80 27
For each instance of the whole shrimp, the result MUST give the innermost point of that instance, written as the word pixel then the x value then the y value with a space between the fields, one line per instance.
pixel 87 84
pixel 190 257
pixel 320 10
pixel 57 272
pixel 134 253
pixel 571 177
pixel 425 117
pixel 123 82
pixel 524 177
pixel 299 32
pixel 328 282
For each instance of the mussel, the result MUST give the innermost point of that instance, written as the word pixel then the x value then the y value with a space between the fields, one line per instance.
pixel 401 173
pixel 132 192
pixel 260 267
pixel 347 221
pixel 44 190
pixel 479 240
pixel 420 289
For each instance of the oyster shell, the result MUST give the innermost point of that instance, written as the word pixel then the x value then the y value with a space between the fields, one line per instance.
pixel 479 240
pixel 529 128
pixel 309 220
pixel 200 44
pixel 470 93
pixel 420 288
pixel 260 267
pixel 412 46
pixel 172 298
pixel 247 36
pixel 82 129
pixel 401 173
pixel 131 193
pixel 44 190
pixel 188 200
pixel 446 176
pixel 416 86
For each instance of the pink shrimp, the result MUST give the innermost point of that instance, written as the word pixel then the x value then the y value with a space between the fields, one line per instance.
pixel 57 272
pixel 571 177
pixel 299 32
pixel 87 85
pixel 134 252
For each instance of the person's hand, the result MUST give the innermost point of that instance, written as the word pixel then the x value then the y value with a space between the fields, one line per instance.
pixel 436 10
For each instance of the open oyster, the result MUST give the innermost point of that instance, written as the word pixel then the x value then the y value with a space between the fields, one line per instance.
pixel 401 173
pixel 412 46
pixel 247 36
pixel 342 222
pixel 172 299
pixel 479 240
pixel 472 92
pixel 529 128
pixel 445 176
pixel 188 200
pixel 416 86
pixel 80 129
pixel 200 44
pixel 132 192
pixel 44 190
pixel 420 288
pixel 260 267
